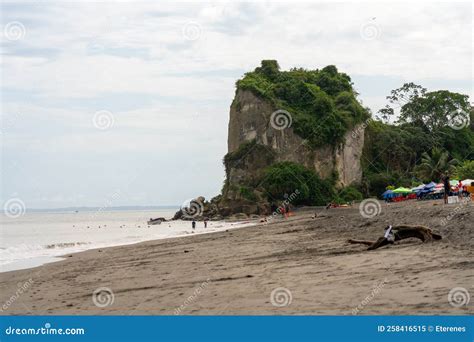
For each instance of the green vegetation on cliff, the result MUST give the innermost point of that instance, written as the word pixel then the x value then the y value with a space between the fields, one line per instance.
pixel 322 103
pixel 282 179
pixel 417 137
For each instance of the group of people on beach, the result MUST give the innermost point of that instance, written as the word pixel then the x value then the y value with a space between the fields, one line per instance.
pixel 193 223
pixel 460 190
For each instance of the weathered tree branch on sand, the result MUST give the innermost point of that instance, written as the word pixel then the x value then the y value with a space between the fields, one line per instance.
pixel 401 232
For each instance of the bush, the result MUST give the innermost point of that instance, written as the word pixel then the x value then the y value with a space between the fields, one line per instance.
pixel 349 194
pixel 231 158
pixel 248 150
pixel 283 179
pixel 247 193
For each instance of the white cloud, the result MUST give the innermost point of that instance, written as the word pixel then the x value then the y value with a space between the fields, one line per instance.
pixel 78 58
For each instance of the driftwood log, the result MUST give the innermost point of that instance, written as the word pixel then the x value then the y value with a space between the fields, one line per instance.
pixel 401 232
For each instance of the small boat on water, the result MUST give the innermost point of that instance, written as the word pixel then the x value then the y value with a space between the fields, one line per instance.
pixel 158 220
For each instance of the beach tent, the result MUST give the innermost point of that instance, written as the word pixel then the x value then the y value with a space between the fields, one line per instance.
pixel 387 194
pixel 467 182
pixel 439 188
pixel 430 185
pixel 402 190
pixel 428 188
pixel 418 188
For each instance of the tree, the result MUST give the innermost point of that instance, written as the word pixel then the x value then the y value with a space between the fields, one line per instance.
pixel 465 170
pixel 430 110
pixel 435 166
pixel 269 68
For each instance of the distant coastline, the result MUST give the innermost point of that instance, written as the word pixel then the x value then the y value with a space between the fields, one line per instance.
pixel 118 208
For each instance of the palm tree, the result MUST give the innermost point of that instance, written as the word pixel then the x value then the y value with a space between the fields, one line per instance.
pixel 435 166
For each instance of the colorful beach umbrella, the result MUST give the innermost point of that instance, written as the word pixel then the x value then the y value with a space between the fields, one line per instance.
pixel 387 194
pixel 402 190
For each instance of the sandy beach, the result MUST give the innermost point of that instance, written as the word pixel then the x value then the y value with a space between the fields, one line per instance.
pixel 298 266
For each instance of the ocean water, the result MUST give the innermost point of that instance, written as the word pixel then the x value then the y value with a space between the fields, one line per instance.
pixel 37 238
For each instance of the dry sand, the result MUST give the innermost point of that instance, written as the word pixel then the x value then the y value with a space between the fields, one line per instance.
pixel 235 272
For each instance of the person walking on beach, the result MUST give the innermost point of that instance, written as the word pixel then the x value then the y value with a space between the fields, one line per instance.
pixel 205 223
pixel 447 187
pixel 193 224
pixel 460 190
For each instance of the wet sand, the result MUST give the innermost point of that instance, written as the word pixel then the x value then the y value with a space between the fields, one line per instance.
pixel 297 266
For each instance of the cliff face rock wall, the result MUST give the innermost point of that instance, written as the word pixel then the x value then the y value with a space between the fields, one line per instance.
pixel 251 119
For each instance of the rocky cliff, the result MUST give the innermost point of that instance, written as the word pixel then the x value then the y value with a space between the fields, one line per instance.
pixel 251 119
pixel 290 132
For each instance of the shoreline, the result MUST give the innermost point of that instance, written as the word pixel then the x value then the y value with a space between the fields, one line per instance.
pixel 44 260
pixel 236 271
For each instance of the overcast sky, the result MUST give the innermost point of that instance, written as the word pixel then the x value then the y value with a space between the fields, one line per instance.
pixel 128 104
